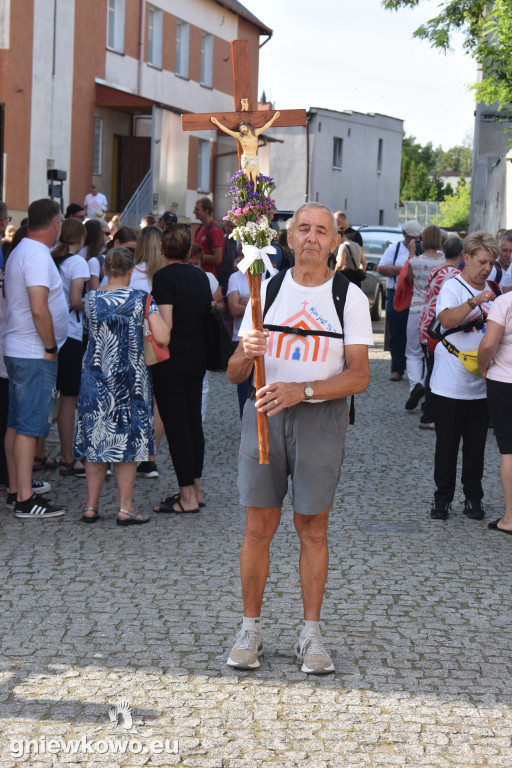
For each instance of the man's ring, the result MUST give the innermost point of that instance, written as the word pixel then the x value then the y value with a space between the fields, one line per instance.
pixel 277 404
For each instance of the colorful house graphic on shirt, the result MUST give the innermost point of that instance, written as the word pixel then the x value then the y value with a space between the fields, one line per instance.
pixel 289 346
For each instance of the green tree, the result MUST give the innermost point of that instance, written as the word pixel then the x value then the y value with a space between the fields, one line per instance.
pixel 417 183
pixel 437 190
pixel 455 160
pixel 487 28
pixel 454 211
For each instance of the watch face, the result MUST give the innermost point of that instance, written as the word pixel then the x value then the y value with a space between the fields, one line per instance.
pixel 308 391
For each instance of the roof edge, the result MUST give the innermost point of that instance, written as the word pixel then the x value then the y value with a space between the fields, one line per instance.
pixel 240 10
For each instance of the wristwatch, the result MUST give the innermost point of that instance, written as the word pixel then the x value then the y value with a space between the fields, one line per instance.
pixel 471 303
pixel 52 351
pixel 308 391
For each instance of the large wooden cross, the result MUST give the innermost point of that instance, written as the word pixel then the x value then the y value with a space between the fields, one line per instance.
pixel 243 102
pixel 244 113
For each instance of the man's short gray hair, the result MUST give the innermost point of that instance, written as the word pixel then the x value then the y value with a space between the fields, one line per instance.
pixel 315 205
pixel 4 211
pixel 504 239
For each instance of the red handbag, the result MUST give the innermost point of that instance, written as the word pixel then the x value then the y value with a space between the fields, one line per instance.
pixel 153 352
pixel 403 293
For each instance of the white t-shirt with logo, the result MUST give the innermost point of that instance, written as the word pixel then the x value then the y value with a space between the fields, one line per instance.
pixel 30 264
pixel 449 377
pixel 308 358
pixel 73 268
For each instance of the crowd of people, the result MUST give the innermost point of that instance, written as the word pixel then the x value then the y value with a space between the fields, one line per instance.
pixel 452 334
pixel 73 302
pixel 81 296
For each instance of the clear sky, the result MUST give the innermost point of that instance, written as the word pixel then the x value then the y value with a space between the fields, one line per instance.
pixel 352 54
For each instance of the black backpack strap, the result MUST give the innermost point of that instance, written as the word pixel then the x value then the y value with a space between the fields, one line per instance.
pixel 499 273
pixel 301 331
pixel 396 252
pixel 340 286
pixel 273 288
pixel 212 223
pixel 495 286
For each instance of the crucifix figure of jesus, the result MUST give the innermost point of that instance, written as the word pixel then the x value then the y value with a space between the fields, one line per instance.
pixel 245 124
pixel 248 138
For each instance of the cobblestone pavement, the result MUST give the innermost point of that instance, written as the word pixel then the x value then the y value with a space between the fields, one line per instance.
pixel 417 615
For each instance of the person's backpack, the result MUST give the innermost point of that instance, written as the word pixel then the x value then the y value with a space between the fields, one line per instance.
pixel 340 286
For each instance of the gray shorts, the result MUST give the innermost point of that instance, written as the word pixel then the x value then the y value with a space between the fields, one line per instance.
pixel 307 442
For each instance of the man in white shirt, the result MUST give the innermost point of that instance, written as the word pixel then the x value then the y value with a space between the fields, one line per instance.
pixel 37 324
pixel 390 264
pixel 95 201
pixel 311 372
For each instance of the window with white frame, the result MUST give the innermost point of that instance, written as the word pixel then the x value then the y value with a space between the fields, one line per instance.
pixel 97 153
pixel 155 32
pixel 206 59
pixel 182 48
pixel 337 153
pixel 115 25
pixel 203 166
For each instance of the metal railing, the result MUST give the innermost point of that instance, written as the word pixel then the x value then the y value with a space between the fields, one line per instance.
pixel 140 203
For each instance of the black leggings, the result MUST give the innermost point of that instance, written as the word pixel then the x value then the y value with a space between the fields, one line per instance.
pixel 455 420
pixel 178 395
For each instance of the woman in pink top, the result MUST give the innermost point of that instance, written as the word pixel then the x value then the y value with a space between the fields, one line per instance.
pixel 495 364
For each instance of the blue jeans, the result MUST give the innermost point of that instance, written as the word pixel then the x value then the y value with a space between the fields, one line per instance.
pixel 397 322
pixel 31 395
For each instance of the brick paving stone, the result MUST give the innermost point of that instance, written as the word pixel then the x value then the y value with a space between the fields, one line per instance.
pixel 416 616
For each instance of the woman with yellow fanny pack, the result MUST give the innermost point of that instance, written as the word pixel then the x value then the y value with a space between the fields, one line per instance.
pixel 459 394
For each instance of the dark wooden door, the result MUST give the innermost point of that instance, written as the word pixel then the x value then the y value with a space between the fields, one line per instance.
pixel 134 161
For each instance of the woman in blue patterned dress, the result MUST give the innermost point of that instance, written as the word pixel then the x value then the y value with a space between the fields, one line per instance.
pixel 115 404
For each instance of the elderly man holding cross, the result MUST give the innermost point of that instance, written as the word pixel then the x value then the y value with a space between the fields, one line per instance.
pixel 315 345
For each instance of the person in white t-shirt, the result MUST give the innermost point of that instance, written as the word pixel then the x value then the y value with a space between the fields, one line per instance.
pixel 390 264
pixel 74 273
pixel 95 202
pixel 458 394
pixel 309 379
pixel 37 326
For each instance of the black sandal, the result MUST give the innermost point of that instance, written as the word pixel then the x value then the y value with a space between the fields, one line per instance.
pixel 69 470
pixel 43 462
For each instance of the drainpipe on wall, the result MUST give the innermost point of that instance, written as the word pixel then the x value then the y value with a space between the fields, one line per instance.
pixel 309 115
pixel 141 47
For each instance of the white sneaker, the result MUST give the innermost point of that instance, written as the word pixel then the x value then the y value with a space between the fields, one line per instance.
pixel 40 486
pixel 311 651
pixel 246 650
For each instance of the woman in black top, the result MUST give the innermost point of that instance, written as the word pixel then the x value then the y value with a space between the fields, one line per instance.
pixel 183 295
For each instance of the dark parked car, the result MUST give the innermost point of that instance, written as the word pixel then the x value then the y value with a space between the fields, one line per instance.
pixel 376 240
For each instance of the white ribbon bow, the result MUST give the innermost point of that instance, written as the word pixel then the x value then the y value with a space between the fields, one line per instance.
pixel 252 252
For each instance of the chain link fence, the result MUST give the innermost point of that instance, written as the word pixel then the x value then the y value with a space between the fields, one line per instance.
pixel 422 212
